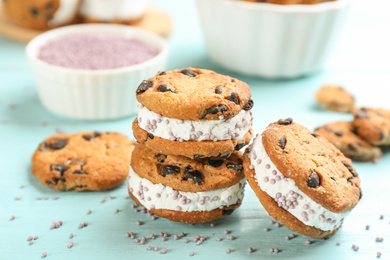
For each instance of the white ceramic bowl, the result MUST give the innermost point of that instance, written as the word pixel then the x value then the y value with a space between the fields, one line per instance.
pixel 269 40
pixel 94 94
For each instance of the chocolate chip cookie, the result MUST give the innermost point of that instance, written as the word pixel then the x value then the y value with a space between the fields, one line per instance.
pixel 335 98
pixel 194 113
pixel 373 125
pixel 83 161
pixel 41 14
pixel 186 190
pixel 301 179
pixel 341 134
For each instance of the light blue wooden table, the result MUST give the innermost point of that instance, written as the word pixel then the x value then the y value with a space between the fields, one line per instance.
pixel 361 63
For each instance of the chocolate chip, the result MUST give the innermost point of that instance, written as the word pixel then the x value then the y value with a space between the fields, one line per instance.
pixel 190 173
pixel 282 142
pixel 34 11
pixel 214 162
pixel 79 172
pixel 234 98
pixel 216 110
pixel 234 166
pixel 61 179
pixel 161 157
pixel 314 180
pixel 49 17
pixel 233 80
pixel 170 170
pixel 145 85
pixel 248 106
pixel 218 90
pixel 97 134
pixel 239 146
pixel 362 113
pixel 350 180
pixel 197 156
pixel 287 121
pixel 227 211
pixel 162 73
pixel 333 178
pixel 314 134
pixel 164 88
pixel 58 144
pixel 338 134
pixel 360 194
pixel 59 167
pixel 43 146
pixel 87 137
pixel 381 135
pixel 150 136
pixel 350 168
pixel 189 73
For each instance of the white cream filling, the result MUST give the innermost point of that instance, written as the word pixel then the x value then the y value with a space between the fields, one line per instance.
pixel 158 196
pixel 184 130
pixel 288 196
pixel 113 9
pixel 65 13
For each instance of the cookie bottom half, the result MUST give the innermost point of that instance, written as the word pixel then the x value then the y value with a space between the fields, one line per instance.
pixel 191 149
pixel 193 217
pixel 279 213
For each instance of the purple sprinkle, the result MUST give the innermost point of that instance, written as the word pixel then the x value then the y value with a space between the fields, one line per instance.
pixel 267 166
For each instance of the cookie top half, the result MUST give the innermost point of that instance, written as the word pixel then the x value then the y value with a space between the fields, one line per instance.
pixel 317 167
pixel 184 174
pixel 194 94
pixel 83 161
pixel 373 125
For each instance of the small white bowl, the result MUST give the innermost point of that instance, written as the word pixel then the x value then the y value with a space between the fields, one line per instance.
pixel 270 40
pixel 94 94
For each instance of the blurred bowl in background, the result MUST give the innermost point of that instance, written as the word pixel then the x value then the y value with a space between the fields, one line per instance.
pixel 269 40
pixel 94 94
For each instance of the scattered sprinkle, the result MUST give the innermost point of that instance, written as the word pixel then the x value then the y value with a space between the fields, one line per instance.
pixel 230 237
pixel 277 224
pixel 22 186
pixel 70 245
pixel 307 242
pixel 29 238
pixel 81 225
pixel 355 247
pixel 250 249
pixel 266 229
pixel 367 227
pixel 272 222
pixel 55 198
pixel 17 198
pixel 156 248
pixel 36 237
pixel 381 217
pixel 228 251
pixel 71 235
pixel 379 239
pixel 219 239
pixel 138 222
pixel 164 250
pixel 186 241
pixel 378 254
pixel 212 225
pixel 89 211
pixel 12 217
pixel 226 231
pixel 44 254
pixel 149 248
pixel 116 210
pixel 192 253
pixel 338 243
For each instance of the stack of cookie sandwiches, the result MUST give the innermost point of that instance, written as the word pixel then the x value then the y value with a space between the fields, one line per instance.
pixel 190 127
pixel 302 179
